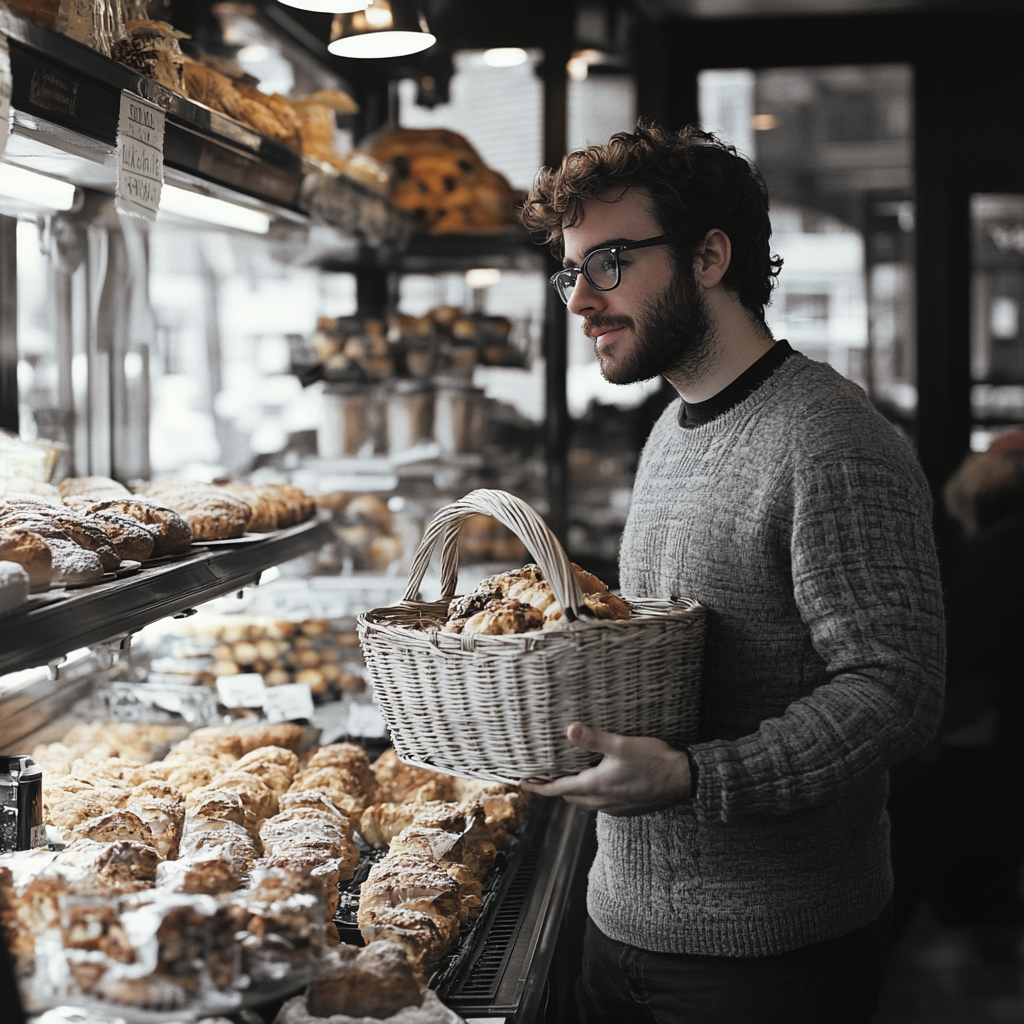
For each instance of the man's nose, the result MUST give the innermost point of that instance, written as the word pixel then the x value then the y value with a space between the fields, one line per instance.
pixel 585 298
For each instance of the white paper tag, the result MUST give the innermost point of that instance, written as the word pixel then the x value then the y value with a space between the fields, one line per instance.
pixel 365 720
pixel 6 85
pixel 37 836
pixel 288 702
pixel 245 690
pixel 140 156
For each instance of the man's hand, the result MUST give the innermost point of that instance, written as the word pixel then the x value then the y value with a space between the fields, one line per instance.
pixel 637 774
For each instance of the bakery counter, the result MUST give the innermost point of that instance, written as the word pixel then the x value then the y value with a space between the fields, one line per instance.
pixel 53 623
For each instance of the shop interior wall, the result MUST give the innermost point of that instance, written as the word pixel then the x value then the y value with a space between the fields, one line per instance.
pixel 969 113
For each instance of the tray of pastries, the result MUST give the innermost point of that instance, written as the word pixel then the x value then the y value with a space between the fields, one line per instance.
pixel 226 867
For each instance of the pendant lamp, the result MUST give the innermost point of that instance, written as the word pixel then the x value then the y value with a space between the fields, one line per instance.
pixel 387 28
pixel 328 6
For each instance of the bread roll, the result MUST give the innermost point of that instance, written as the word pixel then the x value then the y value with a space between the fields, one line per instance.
pixel 31 552
pixel 91 486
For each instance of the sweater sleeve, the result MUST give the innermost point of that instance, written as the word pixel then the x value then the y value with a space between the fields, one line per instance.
pixel 866 584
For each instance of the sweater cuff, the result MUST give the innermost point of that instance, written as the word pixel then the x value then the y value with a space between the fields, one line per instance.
pixel 694 771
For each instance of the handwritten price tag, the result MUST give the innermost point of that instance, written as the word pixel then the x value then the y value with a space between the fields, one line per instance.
pixel 245 690
pixel 140 156
pixel 289 702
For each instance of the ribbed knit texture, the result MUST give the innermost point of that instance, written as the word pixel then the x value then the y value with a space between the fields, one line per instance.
pixel 801 520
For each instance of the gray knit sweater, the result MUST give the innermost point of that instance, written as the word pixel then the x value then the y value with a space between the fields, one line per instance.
pixel 801 520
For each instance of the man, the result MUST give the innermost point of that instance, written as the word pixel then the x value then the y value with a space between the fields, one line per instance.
pixel 747 878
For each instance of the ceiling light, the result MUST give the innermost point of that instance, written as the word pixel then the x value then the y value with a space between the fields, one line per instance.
pixel 764 122
pixel 214 211
pixel 387 28
pixel 37 189
pixel 505 56
pixel 482 277
pixel 328 6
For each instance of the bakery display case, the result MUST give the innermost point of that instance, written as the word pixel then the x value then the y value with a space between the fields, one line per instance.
pixel 116 673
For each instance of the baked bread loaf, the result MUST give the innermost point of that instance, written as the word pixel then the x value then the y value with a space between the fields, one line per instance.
pixel 130 539
pixel 212 513
pixel 171 534
pixel 31 552
pixel 95 487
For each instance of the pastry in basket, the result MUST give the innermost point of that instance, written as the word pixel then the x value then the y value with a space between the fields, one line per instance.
pixel 522 600
pixel 376 981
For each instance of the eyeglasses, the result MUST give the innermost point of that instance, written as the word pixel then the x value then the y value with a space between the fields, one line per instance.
pixel 601 268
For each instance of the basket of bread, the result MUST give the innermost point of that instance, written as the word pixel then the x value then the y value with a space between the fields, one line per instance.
pixel 484 685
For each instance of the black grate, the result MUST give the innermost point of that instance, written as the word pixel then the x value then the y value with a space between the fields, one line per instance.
pixel 481 982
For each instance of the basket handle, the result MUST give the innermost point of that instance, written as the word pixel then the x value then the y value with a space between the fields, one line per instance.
pixel 521 519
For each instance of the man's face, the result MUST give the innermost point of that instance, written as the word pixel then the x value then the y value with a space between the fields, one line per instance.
pixel 655 321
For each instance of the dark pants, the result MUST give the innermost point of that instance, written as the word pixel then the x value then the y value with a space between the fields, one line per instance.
pixel 834 982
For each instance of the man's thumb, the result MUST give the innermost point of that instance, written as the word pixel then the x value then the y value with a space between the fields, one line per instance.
pixel 586 738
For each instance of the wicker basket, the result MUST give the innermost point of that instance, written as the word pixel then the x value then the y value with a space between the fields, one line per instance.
pixel 497 707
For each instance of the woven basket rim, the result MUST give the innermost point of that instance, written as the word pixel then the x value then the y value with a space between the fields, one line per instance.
pixel 687 608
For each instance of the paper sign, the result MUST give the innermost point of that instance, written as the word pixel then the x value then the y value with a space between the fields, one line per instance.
pixel 289 702
pixel 6 84
pixel 140 156
pixel 365 720
pixel 245 690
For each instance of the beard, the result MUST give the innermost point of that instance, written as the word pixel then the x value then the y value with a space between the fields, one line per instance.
pixel 673 338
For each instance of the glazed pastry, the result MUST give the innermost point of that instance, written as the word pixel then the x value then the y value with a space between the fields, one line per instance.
pixel 112 826
pixel 376 981
pixel 266 735
pixel 400 783
pixel 380 823
pixel 211 802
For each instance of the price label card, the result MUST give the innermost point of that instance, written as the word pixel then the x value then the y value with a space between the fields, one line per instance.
pixel 365 720
pixel 289 702
pixel 140 156
pixel 245 690
pixel 6 85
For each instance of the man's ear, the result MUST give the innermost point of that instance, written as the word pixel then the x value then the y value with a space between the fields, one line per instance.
pixel 713 259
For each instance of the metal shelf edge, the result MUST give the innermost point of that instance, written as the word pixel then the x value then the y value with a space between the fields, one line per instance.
pixel 37 636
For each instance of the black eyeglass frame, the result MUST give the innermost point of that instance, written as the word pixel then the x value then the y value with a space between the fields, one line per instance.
pixel 566 294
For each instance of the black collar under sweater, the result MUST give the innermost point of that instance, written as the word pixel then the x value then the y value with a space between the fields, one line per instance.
pixel 699 413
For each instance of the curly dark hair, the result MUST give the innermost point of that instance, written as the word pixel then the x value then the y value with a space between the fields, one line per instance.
pixel 695 183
